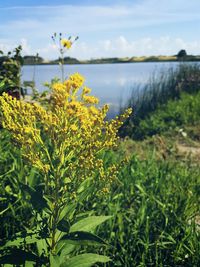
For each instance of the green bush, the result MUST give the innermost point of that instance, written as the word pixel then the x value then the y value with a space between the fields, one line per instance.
pixel 174 114
pixel 10 72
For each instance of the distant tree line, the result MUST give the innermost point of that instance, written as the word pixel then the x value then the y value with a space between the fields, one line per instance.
pixel 33 59
pixel 183 56
pixel 180 56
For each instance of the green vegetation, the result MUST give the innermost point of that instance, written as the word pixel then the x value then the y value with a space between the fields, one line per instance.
pixel 10 70
pixel 181 56
pixel 32 60
pixel 149 205
pixel 174 114
pixel 64 141
pixel 155 94
pixel 155 204
pixel 156 213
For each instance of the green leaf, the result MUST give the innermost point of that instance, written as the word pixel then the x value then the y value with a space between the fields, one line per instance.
pixel 64 247
pixel 89 223
pixel 63 226
pixel 83 238
pixel 38 202
pixel 29 264
pixel 42 246
pixel 2 84
pixel 20 241
pixel 54 261
pixel 85 184
pixel 86 188
pixel 141 189
pixel 85 260
pixel 67 211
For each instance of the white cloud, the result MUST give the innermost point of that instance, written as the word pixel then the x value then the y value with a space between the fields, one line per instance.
pixel 26 48
pixel 121 47
pixel 98 27
pixel 6 45
pixel 118 47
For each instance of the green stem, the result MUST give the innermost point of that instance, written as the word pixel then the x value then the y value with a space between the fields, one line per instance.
pixel 55 213
pixel 62 66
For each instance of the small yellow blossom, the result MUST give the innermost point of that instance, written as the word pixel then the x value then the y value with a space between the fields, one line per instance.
pixel 90 99
pixel 74 127
pixel 74 82
pixel 93 110
pixel 58 86
pixel 66 43
pixel 86 90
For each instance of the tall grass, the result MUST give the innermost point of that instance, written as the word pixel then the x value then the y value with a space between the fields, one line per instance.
pixel 14 213
pixel 155 209
pixel 160 88
pixel 172 115
pixel 155 215
pixel 154 203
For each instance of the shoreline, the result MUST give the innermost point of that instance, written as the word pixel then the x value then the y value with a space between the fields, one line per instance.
pixel 117 62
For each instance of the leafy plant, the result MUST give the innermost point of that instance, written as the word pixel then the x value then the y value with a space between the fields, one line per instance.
pixel 10 71
pixel 64 142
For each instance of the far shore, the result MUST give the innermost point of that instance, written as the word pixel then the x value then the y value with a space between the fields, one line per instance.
pixel 32 60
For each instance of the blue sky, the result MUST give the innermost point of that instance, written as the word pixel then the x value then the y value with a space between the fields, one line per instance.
pixel 105 28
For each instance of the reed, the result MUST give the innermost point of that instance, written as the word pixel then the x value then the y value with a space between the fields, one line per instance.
pixel 161 87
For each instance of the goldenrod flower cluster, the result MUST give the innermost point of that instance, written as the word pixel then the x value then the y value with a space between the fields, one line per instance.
pixel 68 135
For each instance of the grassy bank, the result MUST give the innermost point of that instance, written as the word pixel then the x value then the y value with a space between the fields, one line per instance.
pixel 154 204
pixel 161 88
pixel 154 200
pixel 156 214
pixel 173 115
pixel 156 207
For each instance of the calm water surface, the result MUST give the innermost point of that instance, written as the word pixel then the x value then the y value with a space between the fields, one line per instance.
pixel 112 83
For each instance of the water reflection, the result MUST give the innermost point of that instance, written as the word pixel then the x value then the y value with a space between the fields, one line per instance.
pixel 112 83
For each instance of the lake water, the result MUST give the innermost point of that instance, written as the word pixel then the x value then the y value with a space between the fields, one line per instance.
pixel 112 83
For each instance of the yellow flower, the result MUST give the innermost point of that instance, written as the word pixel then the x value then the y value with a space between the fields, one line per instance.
pixel 74 83
pixel 74 128
pixel 66 43
pixel 93 110
pixel 90 99
pixel 86 90
pixel 59 86
pixel 67 134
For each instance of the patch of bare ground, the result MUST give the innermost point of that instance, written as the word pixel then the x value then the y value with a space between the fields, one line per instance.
pixel 188 150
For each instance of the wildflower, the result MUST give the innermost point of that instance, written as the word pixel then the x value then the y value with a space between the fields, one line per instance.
pixel 90 99
pixel 93 110
pixel 66 43
pixel 86 90
pixel 74 127
pixel 58 86
pixel 74 82
pixel 67 135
